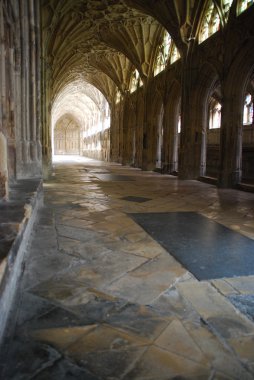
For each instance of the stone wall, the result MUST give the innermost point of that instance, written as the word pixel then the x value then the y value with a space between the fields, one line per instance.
pixel 224 61
pixel 97 146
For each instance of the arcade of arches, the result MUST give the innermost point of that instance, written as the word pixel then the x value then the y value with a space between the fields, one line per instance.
pixel 124 72
pixel 162 86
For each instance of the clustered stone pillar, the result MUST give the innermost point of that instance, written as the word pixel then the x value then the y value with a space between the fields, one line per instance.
pixel 20 88
pixel 29 152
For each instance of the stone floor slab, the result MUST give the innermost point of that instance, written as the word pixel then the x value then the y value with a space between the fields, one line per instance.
pixel 100 299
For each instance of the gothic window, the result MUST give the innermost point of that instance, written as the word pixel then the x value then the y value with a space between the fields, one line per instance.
pixel 118 97
pixel 179 124
pixel 163 54
pixel 135 81
pixel 174 55
pixel 214 114
pixel 226 4
pixel 210 23
pixel 248 110
pixel 167 52
pixel 244 4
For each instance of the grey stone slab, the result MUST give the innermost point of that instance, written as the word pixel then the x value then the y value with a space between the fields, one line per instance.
pixel 27 358
pixel 80 234
pixel 136 199
pixel 32 307
pixel 245 303
pixel 139 320
pixel 65 369
pixel 110 364
pixel 114 177
pixel 206 248
pixel 56 318
pixel 98 310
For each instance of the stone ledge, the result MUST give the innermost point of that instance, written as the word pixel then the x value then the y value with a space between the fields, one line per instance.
pixel 16 220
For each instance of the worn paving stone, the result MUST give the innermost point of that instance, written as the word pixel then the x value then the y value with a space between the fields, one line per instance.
pixel 244 285
pixel 215 309
pixel 61 337
pixel 138 319
pixel 175 338
pixel 168 365
pixel 64 290
pixel 245 303
pixel 101 300
pixel 32 306
pixel 56 317
pixel 111 364
pixel 148 281
pixel 224 287
pixel 27 358
pixel 67 370
pixel 172 303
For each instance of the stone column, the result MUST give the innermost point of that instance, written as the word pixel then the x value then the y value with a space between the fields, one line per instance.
pixel 192 119
pixel 231 140
pixel 24 141
pixel 170 138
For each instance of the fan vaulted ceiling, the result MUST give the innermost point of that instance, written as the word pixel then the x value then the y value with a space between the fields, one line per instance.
pixel 102 41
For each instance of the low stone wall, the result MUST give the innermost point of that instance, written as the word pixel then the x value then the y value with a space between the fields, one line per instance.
pixel 17 217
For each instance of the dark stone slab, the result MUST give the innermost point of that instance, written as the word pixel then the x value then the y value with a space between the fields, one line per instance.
pixel 114 177
pixel 136 199
pixel 56 318
pixel 65 369
pixel 206 248
pixel 245 303
pixel 27 358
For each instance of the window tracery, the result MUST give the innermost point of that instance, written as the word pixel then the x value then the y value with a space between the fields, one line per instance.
pixel 210 23
pixel 163 54
pixel 175 55
pixel 135 81
pixel 226 4
pixel 167 52
pixel 248 109
pixel 244 4
pixel 214 114
pixel 118 97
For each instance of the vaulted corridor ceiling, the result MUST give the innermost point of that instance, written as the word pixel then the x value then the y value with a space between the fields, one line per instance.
pixel 101 42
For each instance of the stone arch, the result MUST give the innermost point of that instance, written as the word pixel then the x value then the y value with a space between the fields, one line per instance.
pixel 208 83
pixel 194 121
pixel 234 90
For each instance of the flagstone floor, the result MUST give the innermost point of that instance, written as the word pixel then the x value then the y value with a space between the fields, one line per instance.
pixel 99 299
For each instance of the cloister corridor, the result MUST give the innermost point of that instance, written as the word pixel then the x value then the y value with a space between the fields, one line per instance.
pixel 101 299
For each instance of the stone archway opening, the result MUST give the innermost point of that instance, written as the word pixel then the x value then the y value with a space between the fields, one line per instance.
pixel 67 139
pixel 213 134
pixel 248 134
pixel 80 122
